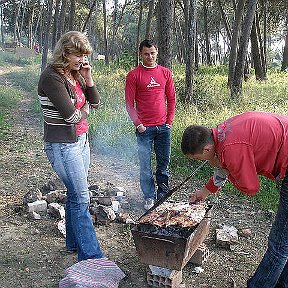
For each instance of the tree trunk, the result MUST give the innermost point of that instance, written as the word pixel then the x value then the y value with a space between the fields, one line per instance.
pixel 225 20
pixel 149 19
pixel 16 27
pixel 190 7
pixel 30 24
pixel 196 48
pixel 264 48
pixel 89 15
pixel 165 32
pixel 47 33
pixel 236 90
pixel 105 33
pixel 207 40
pixel 55 33
pixel 36 28
pixel 284 65
pixel 72 15
pixel 138 32
pixel 256 53
pixel 2 27
pixel 234 40
pixel 180 41
pixel 61 27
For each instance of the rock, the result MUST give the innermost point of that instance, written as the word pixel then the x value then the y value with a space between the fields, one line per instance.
pixel 48 187
pixel 226 236
pixel 104 215
pixel 37 206
pixel 57 210
pixel 32 196
pixel 93 187
pixel 246 232
pixel 34 215
pixel 61 227
pixel 58 196
pixel 104 201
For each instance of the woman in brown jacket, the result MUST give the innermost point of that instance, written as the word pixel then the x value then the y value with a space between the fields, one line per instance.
pixel 66 90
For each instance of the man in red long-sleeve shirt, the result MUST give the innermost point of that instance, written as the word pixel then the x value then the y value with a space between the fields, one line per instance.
pixel 150 102
pixel 241 148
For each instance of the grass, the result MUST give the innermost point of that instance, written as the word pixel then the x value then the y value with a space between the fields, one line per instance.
pixel 112 132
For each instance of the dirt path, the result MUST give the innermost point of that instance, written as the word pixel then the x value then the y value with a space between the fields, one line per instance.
pixel 32 252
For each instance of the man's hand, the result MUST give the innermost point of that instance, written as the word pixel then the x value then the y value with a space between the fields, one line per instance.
pixel 141 128
pixel 199 196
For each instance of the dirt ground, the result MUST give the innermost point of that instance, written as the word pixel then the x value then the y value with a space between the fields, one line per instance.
pixel 33 251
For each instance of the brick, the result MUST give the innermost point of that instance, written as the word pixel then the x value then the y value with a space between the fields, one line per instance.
pixel 200 255
pixel 173 280
pixel 37 206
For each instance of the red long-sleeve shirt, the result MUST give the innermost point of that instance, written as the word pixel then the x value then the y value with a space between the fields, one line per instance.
pixel 150 96
pixel 252 144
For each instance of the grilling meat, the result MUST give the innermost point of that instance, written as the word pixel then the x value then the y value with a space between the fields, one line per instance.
pixel 180 214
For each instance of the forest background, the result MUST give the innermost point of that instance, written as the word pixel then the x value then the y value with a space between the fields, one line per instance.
pixel 227 57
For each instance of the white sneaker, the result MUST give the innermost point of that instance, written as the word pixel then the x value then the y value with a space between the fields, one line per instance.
pixel 149 202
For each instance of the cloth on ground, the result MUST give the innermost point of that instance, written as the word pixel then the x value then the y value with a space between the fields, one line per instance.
pixel 99 273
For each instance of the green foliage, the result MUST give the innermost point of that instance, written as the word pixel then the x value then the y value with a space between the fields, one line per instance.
pixel 9 99
pixel 9 58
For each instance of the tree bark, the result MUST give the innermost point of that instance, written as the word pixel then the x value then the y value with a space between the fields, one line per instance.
pixel 149 19
pixel 190 7
pixel 55 24
pixel 225 20
pixel 62 19
pixel 236 90
pixel 16 26
pixel 2 27
pixel 138 32
pixel 256 53
pixel 89 15
pixel 284 65
pixel 72 15
pixel 165 25
pixel 207 40
pixel 234 40
pixel 47 32
pixel 105 33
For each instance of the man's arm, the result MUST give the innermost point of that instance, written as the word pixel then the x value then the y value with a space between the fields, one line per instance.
pixel 171 99
pixel 130 94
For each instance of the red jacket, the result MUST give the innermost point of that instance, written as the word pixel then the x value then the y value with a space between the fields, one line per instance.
pixel 153 92
pixel 251 144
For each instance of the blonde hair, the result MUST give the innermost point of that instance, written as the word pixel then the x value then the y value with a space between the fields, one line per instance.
pixel 72 42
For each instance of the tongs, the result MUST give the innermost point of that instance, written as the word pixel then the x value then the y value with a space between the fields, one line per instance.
pixel 171 191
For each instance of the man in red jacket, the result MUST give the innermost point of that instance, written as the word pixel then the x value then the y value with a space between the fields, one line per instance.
pixel 150 103
pixel 241 148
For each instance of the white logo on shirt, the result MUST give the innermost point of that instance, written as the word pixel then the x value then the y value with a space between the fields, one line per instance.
pixel 152 83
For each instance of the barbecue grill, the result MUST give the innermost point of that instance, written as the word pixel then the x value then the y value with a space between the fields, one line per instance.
pixel 170 247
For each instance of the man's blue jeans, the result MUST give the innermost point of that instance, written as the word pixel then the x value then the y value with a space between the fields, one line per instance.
pixel 272 272
pixel 159 137
pixel 71 162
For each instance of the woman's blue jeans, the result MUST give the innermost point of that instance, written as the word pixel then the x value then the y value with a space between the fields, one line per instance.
pixel 159 137
pixel 272 271
pixel 71 162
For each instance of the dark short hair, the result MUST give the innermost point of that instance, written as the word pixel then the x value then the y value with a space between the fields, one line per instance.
pixel 194 138
pixel 147 43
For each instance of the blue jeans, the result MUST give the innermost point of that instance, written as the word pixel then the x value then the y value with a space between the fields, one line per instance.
pixel 159 137
pixel 272 272
pixel 71 162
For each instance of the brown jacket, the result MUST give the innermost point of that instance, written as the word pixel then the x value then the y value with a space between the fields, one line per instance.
pixel 57 101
